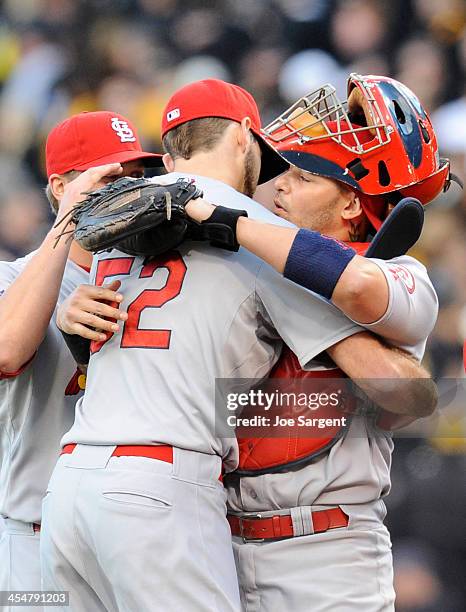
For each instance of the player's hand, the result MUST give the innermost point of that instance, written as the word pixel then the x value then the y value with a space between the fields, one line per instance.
pixel 199 209
pixel 89 310
pixel 93 178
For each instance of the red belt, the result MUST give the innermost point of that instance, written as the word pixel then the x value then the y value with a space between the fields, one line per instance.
pixel 163 452
pixel 255 527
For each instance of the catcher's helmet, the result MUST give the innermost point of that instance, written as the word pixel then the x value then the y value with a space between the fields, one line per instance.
pixel 380 141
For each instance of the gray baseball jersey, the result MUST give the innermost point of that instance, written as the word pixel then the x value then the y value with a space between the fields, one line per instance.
pixel 194 316
pixel 356 470
pixel 34 410
pixel 412 305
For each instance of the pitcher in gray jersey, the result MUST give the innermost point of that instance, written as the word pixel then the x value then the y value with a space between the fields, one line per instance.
pixel 39 383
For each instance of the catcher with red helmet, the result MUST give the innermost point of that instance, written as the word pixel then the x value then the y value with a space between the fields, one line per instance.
pixel 307 512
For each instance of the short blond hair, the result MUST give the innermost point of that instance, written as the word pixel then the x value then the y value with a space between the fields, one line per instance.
pixel 67 178
pixel 195 136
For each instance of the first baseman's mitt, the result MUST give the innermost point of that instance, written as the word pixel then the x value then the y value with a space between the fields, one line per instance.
pixel 136 216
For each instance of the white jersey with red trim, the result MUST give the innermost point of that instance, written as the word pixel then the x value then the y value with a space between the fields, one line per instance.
pixel 198 314
pixel 34 410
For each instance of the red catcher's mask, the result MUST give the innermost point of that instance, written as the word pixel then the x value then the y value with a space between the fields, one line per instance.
pixel 380 141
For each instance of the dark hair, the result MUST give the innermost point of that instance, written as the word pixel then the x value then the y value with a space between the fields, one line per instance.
pixel 195 136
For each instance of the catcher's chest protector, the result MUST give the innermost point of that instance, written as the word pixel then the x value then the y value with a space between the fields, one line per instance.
pixel 276 454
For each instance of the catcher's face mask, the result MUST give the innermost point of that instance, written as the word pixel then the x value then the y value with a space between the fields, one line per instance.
pixel 379 141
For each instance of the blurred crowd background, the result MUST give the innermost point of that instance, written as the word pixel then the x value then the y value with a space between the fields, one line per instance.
pixel 58 57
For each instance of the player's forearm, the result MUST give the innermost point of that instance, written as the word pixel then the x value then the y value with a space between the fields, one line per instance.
pixel 271 243
pixel 276 245
pixel 354 284
pixel 420 391
pixel 361 291
pixel 410 397
pixel 389 377
pixel 28 304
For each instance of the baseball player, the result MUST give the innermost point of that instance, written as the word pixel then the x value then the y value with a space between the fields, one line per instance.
pixel 134 516
pixel 38 379
pixel 329 492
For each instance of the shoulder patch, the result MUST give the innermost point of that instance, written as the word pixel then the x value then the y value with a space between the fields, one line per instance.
pixel 405 276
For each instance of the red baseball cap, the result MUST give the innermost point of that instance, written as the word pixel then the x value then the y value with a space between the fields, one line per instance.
pixel 216 98
pixel 92 139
